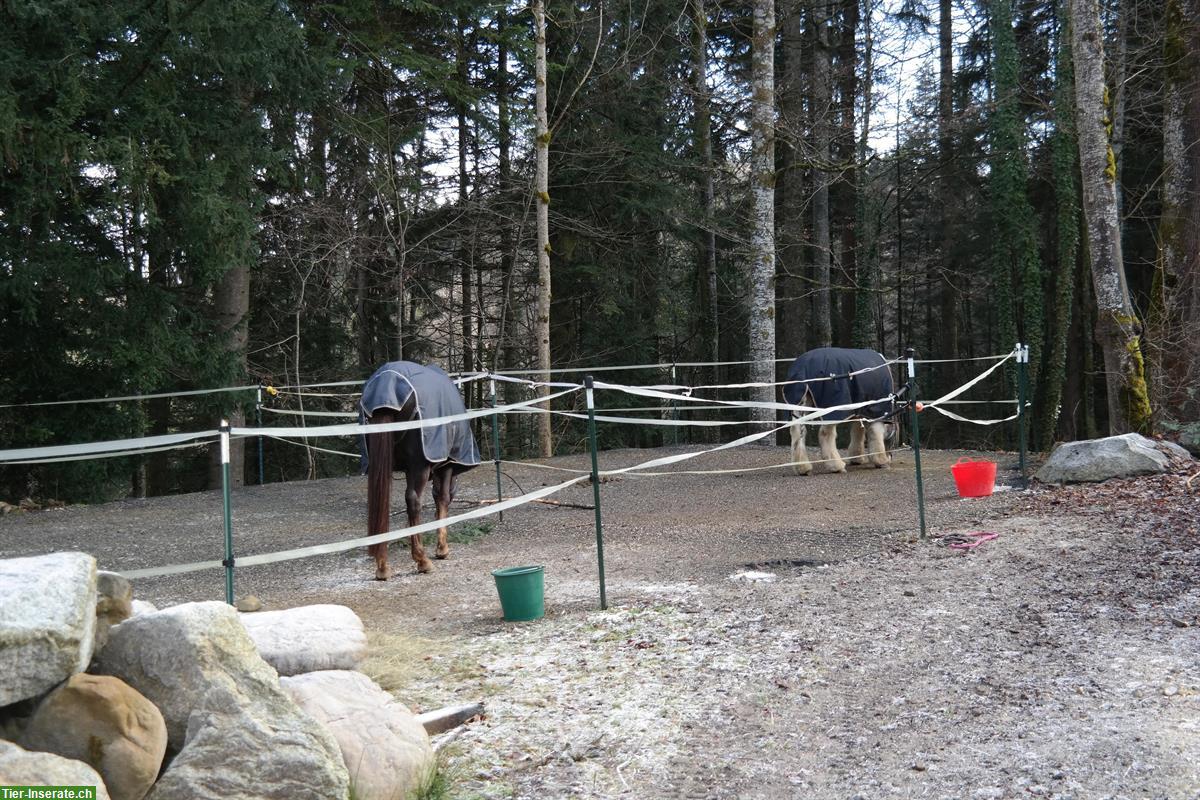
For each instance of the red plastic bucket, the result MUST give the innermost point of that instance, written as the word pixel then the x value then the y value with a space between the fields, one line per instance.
pixel 974 478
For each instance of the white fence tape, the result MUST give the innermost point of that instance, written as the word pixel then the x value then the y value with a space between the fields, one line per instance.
pixel 461 379
pixel 356 430
pixel 351 544
pixel 956 392
pixel 959 418
pixel 121 447
pixel 297 413
pixel 635 469
pixel 190 393
pixel 111 447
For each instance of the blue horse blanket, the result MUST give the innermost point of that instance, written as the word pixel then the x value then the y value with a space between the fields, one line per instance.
pixel 839 388
pixel 436 396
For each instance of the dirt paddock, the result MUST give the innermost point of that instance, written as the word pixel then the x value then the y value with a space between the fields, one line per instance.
pixel 1058 660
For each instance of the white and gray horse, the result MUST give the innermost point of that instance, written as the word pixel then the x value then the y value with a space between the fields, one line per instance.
pixel 837 376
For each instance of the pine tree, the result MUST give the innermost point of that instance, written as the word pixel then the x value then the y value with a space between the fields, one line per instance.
pixel 1016 267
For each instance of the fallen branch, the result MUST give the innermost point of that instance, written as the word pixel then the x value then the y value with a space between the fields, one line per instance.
pixel 443 719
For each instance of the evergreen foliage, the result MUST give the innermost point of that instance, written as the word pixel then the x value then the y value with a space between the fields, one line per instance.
pixel 370 166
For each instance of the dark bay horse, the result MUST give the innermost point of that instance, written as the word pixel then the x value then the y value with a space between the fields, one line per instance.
pixel 400 391
pixel 837 376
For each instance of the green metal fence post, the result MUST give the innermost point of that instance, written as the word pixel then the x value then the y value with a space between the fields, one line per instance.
pixel 258 414
pixel 916 437
pixel 1022 392
pixel 228 561
pixel 674 412
pixel 591 409
pixel 496 446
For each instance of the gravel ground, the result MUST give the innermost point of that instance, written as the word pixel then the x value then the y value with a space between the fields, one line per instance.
pixel 1057 660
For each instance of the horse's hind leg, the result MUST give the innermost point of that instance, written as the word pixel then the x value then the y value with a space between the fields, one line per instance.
pixel 876 446
pixel 443 495
pixel 858 435
pixel 800 461
pixel 379 493
pixel 416 478
pixel 829 454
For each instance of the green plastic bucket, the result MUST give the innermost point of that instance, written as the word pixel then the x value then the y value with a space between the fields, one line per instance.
pixel 522 592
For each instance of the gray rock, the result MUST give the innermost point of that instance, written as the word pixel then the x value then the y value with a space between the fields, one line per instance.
pixel 1189 437
pixel 114 603
pixel 238 734
pixel 143 607
pixel 385 747
pixel 103 722
pixel 308 638
pixel 47 622
pixel 1092 460
pixel 20 767
pixel 1173 450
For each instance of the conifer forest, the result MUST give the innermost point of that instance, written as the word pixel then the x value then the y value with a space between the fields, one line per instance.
pixel 198 194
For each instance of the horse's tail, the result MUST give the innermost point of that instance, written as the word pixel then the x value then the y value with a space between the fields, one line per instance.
pixel 800 462
pixel 379 475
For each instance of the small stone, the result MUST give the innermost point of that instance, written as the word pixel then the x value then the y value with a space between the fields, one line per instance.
pixel 1180 623
pixel 909 593
pixel 1170 690
pixel 248 604
pixel 920 766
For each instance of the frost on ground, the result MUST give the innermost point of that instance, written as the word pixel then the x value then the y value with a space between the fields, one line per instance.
pixel 1035 668
pixel 1057 660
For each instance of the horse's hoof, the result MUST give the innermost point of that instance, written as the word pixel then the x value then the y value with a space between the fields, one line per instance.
pixel 440 555
pixel 382 574
pixel 425 567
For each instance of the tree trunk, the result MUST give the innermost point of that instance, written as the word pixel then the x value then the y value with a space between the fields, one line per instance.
pixel 1066 199
pixel 947 280
pixel 867 233
pixel 822 110
pixel 231 306
pixel 848 182
pixel 1175 304
pixel 1117 327
pixel 505 356
pixel 762 181
pixel 542 189
pixel 465 251
pixel 791 296
pixel 1016 264
pixel 702 141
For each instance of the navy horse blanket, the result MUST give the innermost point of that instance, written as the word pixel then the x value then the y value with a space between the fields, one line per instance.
pixel 435 396
pixel 836 386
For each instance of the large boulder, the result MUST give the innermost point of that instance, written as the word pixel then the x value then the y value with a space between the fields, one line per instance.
pixel 1093 460
pixel 384 745
pixel 308 638
pixel 20 767
pixel 238 734
pixel 103 722
pixel 47 622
